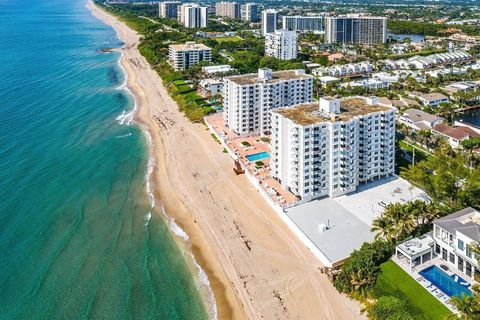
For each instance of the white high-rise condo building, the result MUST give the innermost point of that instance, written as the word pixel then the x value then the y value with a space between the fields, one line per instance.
pixel 248 99
pixel 249 12
pixel 228 9
pixel 329 148
pixel 183 56
pixel 269 21
pixel 356 29
pixel 192 15
pixel 168 9
pixel 281 44
pixel 303 23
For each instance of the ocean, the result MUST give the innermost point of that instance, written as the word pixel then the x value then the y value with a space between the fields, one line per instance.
pixel 78 238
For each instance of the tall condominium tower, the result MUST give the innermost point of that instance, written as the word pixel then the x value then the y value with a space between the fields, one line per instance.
pixel 356 29
pixel 249 12
pixel 168 9
pixel 228 9
pixel 192 15
pixel 328 148
pixel 269 21
pixel 303 23
pixel 281 44
pixel 249 99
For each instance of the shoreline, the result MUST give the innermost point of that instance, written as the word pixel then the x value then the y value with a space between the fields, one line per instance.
pixel 196 260
pixel 256 267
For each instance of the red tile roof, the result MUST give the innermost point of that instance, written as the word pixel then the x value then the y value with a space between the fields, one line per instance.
pixel 458 133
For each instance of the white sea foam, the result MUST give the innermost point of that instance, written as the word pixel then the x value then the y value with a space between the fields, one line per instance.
pixel 205 287
pixel 177 230
pixel 204 283
pixel 127 116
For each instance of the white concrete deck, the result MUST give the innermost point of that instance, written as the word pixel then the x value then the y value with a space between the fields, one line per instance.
pixel 369 200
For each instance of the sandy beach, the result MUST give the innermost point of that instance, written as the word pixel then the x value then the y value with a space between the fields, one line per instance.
pixel 256 266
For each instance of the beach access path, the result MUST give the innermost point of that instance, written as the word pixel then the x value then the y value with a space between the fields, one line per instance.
pixel 257 267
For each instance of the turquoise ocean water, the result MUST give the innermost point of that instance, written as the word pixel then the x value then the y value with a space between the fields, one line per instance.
pixel 77 237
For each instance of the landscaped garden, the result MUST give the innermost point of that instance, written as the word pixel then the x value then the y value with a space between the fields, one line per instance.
pixel 395 282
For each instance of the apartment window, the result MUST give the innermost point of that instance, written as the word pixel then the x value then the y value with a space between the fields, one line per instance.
pixel 452 257
pixel 461 245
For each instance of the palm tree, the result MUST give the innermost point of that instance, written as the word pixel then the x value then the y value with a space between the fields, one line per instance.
pixel 465 306
pixel 383 227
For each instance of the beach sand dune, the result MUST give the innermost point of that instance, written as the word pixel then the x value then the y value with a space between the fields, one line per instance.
pixel 257 267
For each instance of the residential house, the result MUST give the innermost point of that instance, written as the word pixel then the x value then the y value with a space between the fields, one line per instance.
pixel 419 120
pixel 433 99
pixel 454 237
pixel 455 135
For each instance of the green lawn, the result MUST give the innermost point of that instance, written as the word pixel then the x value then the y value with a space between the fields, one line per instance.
pixel 393 281
pixel 179 82
pixel 420 154
pixel 228 39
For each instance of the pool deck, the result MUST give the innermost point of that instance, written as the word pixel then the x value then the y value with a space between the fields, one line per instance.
pixel 256 145
pixel 434 291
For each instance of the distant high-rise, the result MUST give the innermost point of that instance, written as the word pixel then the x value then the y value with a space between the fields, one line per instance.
pixel 249 12
pixel 269 21
pixel 228 9
pixel 192 15
pixel 356 29
pixel 281 44
pixel 303 23
pixel 168 9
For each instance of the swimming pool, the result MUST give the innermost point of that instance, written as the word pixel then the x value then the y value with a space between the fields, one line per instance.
pixel 258 156
pixel 444 282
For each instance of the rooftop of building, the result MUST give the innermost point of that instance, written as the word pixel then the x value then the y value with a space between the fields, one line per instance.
pixel 348 218
pixel 190 46
pixel 457 133
pixel 307 114
pixel 417 115
pixel 465 221
pixel 277 76
pixel 433 96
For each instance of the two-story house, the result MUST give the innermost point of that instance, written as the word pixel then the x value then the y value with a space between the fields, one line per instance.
pixel 454 237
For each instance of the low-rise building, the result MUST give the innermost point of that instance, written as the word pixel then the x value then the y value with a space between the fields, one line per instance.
pixel 419 120
pixel 433 99
pixel 371 84
pixel 455 135
pixel 464 87
pixel 349 69
pixel 183 56
pixel 325 80
pixel 455 235
pixel 329 148
pixel 221 68
pixel 210 87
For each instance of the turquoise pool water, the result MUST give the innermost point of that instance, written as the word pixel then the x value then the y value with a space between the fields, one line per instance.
pixel 444 282
pixel 258 156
